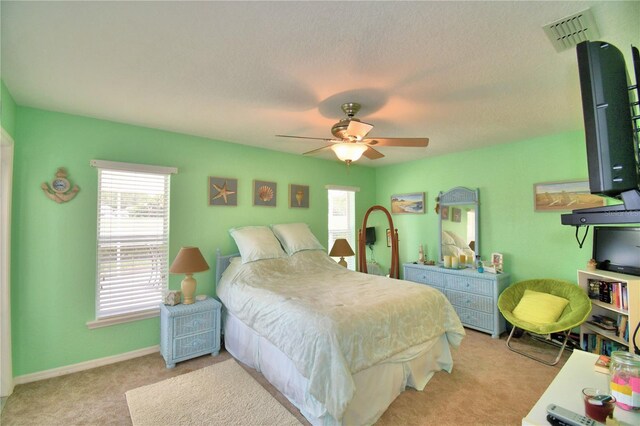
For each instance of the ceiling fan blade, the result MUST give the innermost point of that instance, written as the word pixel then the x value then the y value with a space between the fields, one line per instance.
pixel 304 137
pixel 372 154
pixel 411 142
pixel 315 151
pixel 358 129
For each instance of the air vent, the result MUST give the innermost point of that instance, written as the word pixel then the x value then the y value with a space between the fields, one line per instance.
pixel 567 32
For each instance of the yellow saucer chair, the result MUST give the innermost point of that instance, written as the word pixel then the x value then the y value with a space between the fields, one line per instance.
pixel 545 298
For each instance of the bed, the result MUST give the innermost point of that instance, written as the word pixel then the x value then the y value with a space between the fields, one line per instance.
pixel 340 345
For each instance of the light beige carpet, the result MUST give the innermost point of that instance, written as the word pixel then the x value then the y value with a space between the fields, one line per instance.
pixel 221 394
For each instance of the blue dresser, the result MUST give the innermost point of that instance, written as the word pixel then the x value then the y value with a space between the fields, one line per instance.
pixel 473 295
pixel 188 331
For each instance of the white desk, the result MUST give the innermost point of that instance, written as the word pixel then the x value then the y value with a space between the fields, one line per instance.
pixel 565 391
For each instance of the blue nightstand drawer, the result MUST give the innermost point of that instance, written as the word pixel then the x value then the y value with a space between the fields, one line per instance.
pixel 194 323
pixel 195 344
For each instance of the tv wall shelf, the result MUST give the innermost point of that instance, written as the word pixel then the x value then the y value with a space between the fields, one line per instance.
pixel 631 315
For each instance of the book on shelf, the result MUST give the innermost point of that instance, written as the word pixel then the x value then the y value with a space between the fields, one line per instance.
pixel 600 345
pixel 622 326
pixel 612 292
pixel 602 364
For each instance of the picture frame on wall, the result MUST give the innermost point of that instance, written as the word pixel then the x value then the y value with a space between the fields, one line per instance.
pixel 264 193
pixel 444 212
pixel 456 214
pixel 223 191
pixel 298 196
pixel 564 196
pixel 389 237
pixel 412 203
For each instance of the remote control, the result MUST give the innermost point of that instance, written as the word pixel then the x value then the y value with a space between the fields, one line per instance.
pixel 569 417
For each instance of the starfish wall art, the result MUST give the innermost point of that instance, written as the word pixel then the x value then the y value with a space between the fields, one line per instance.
pixel 223 191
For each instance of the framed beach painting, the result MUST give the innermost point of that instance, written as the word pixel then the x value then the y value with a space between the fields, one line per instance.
pixel 412 203
pixel 564 196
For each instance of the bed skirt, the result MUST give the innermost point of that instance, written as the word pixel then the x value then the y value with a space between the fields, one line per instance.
pixel 376 387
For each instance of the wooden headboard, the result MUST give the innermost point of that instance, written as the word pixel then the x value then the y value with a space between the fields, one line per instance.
pixel 222 262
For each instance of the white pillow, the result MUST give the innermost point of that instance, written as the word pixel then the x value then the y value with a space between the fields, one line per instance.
pixel 256 243
pixel 296 237
pixel 447 239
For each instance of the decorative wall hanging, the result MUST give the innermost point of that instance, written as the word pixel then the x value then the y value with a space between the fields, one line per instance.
pixel 223 191
pixel 264 193
pixel 407 203
pixel 456 214
pixel 444 212
pixel 299 196
pixel 60 190
pixel 564 196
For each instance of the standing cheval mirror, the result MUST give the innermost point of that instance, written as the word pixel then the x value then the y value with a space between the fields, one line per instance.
pixel 459 224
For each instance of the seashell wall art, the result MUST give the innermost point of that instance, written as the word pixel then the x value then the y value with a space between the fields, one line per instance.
pixel 264 193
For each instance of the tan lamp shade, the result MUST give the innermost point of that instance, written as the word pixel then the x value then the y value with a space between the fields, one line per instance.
pixel 188 261
pixel 341 248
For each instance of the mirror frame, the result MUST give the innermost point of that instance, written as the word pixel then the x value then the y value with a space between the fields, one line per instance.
pixel 456 197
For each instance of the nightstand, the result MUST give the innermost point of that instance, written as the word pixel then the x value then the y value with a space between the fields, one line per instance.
pixel 188 331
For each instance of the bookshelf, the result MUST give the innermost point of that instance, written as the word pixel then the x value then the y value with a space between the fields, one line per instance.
pixel 603 308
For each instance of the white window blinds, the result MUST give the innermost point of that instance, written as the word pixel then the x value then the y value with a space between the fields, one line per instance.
pixel 133 238
pixel 342 220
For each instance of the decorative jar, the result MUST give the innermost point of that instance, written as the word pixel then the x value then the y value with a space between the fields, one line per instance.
pixel 625 379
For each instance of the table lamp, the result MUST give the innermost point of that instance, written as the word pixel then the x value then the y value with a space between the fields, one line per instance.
pixel 341 248
pixel 188 261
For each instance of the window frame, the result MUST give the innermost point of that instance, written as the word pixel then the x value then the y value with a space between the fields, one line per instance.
pixel 351 229
pixel 102 320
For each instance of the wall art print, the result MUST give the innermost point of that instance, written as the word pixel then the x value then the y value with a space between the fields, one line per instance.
pixel 264 193
pixel 298 196
pixel 564 196
pixel 223 191
pixel 407 203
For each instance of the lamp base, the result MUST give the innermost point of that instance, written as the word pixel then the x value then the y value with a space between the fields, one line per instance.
pixel 342 262
pixel 188 287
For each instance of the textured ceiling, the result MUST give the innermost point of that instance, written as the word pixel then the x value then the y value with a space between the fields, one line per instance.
pixel 464 74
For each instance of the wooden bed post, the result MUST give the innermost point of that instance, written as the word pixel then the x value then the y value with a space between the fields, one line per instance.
pixel 362 253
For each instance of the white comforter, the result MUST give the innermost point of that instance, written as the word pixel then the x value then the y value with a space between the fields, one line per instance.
pixel 332 322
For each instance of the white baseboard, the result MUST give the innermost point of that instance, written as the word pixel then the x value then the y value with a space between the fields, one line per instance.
pixel 86 365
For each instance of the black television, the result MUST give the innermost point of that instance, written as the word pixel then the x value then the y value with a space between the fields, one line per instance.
pixel 370 235
pixel 617 249
pixel 611 113
pixel 612 147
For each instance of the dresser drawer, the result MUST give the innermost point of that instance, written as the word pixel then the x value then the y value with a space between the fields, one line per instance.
pixel 423 277
pixel 470 285
pixel 475 318
pixel 471 301
pixel 194 323
pixel 194 344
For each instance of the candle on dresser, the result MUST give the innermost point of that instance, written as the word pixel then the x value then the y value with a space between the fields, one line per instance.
pixel 447 261
pixel 463 259
pixel 454 262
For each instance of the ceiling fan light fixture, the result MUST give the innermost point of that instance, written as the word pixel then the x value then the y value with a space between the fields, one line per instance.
pixel 349 152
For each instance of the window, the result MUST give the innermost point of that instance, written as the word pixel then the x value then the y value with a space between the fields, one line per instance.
pixel 133 239
pixel 342 219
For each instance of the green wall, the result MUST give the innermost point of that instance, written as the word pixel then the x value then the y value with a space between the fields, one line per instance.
pixel 8 110
pixel 54 245
pixel 534 244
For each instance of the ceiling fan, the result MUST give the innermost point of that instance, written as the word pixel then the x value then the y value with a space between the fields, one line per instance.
pixel 350 141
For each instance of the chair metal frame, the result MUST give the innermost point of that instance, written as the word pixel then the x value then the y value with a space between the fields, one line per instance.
pixel 528 355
